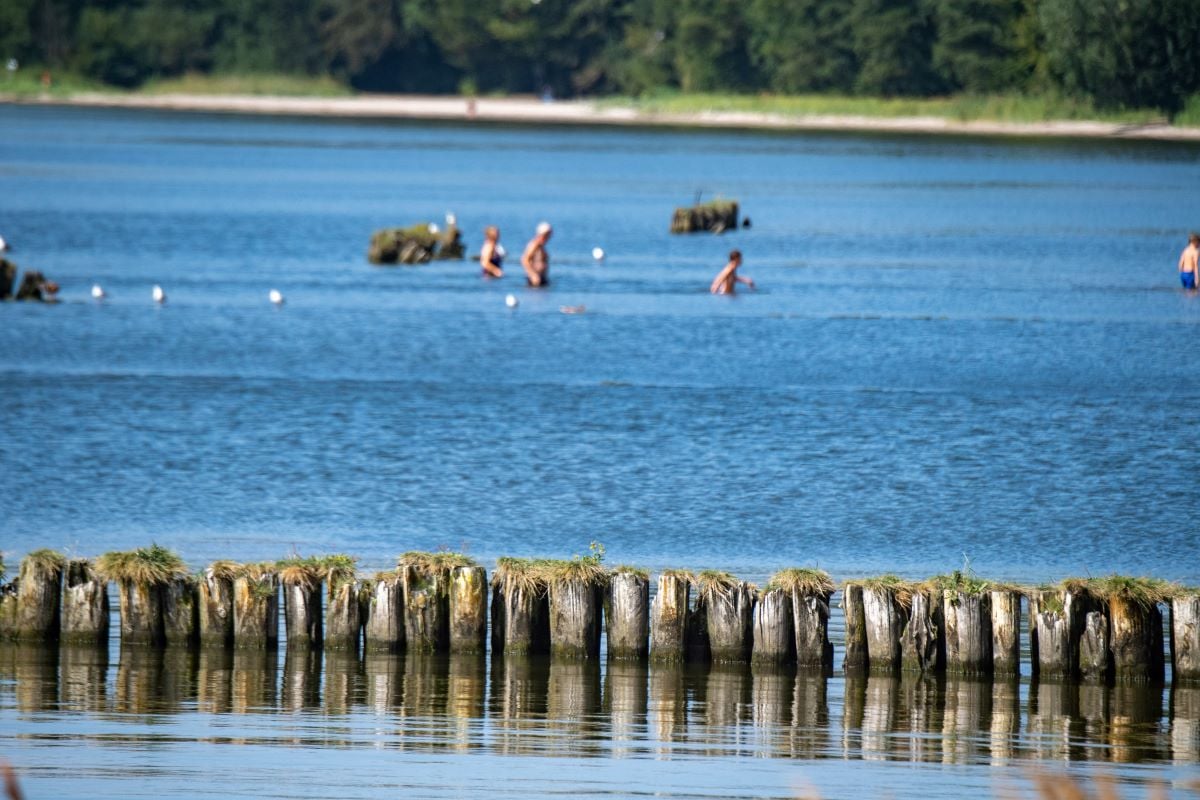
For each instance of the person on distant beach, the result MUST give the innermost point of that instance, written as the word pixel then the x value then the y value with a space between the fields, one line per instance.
pixel 535 259
pixel 727 279
pixel 491 257
pixel 1189 262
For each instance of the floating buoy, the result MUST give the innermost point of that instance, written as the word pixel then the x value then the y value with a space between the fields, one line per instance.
pixel 158 294
pixel 511 301
pixel 98 292
pixel 598 253
pixel 3 244
pixel 276 297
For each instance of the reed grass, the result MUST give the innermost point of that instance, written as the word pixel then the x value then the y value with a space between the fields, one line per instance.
pixel 338 569
pixel 901 589
pixel 147 566
pixel 298 571
pixel 438 562
pixel 964 582
pixel 555 572
pixel 520 574
pixel 680 574
pixel 1145 592
pixel 44 562
pixel 802 581
pixel 711 583
pixel 224 570
pixel 628 569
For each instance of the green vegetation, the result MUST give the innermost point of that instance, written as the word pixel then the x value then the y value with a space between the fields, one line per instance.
pixel 962 581
pixel 803 581
pixel 433 563
pixel 629 569
pixel 901 589
pixel 712 583
pixel 146 566
pixel 1140 591
pixel 996 59
pixel 224 570
pixel 45 562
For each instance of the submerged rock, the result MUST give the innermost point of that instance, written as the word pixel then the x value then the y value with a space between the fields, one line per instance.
pixel 416 244
pixel 34 286
pixel 716 216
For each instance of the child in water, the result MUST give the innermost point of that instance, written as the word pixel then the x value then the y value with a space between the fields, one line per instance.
pixel 1188 265
pixel 727 279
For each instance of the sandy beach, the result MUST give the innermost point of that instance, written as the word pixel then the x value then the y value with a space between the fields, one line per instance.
pixel 580 112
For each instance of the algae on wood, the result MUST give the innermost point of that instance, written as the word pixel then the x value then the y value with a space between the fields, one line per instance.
pixel 715 216
pixel 416 244
pixel 468 609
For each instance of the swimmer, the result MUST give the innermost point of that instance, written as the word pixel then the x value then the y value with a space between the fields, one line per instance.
pixel 491 257
pixel 727 279
pixel 1188 266
pixel 535 259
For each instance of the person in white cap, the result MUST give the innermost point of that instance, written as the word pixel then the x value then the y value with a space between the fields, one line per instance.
pixel 535 259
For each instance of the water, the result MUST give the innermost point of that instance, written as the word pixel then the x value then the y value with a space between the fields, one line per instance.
pixel 960 347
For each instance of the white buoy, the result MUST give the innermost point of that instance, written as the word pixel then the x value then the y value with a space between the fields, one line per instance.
pixel 598 253
pixel 159 295
pixel 98 292
pixel 276 297
pixel 3 244
pixel 511 301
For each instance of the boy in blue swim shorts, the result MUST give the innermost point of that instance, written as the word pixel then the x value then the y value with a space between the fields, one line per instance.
pixel 1188 261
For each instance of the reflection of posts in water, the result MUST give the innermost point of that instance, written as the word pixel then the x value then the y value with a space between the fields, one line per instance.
pixel 667 705
pixel 774 632
pixel 879 716
pixel 468 610
pixel 84 681
pixel 34 670
pixel 854 709
pixel 627 615
pixel 254 680
pixel 1185 639
pixel 1006 717
pixel 383 674
pixel 668 617
pixel 922 698
pixel 1134 723
pixel 810 715
pixel 968 618
pixel 968 714
pixel 181 620
pixel 425 677
pixel 855 657
pixel 139 679
pixel 466 688
pixel 771 702
pixel 341 680
pixel 1185 723
pixel 383 624
pixel 301 688
pixel 1053 709
pixel 1006 632
pixel 885 620
pixel 85 608
pixel 728 692
pixel 923 641
pixel 573 704
pixel 216 606
pixel 214 680
pixel 520 684
pixel 625 699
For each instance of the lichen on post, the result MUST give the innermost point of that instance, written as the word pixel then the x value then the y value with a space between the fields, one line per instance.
pixel 855 657
pixel 39 596
pixel 383 617
pixel 425 578
pixel 811 591
pixel 180 612
pixel 627 613
pixel 729 606
pixel 468 609
pixel 303 621
pixel 256 608
pixel 520 608
pixel 668 617
pixel 141 576
pixel 216 603
pixel 886 603
pixel 85 606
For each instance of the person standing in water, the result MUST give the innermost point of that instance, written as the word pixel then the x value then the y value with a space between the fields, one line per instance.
pixel 1188 262
pixel 535 259
pixel 727 279
pixel 491 257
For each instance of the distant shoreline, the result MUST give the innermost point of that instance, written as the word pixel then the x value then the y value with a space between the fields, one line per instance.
pixel 528 111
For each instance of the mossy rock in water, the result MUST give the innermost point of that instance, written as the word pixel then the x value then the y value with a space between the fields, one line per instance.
pixel 416 244
pixel 31 286
pixel 716 216
pixel 8 276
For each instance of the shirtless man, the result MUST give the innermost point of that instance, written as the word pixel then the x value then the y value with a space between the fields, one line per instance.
pixel 727 279
pixel 535 259
pixel 491 257
pixel 1188 266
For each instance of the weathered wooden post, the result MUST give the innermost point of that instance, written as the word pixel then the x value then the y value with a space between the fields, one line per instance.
pixel 1093 646
pixel 468 609
pixel 1006 631
pixel 1135 626
pixel 967 609
pixel 855 657
pixel 520 608
pixel 1057 616
pixel 885 607
pixel 303 621
pixel 425 578
pixel 1185 638
pixel 668 617
pixel 343 617
pixel 256 608
pixel 576 601
pixel 216 604
pixel 141 576
pixel 923 641
pixel 774 629
pixel 810 590
pixel 627 613
pixel 8 610
pixel 699 650
pixel 383 618
pixel 181 620
pixel 85 605
pixel 729 606
pixel 39 596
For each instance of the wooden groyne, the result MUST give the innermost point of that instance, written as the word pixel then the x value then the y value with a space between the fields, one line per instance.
pixel 1114 630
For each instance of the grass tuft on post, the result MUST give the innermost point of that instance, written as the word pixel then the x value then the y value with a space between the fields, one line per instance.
pixel 44 561
pixel 146 566
pixel 802 581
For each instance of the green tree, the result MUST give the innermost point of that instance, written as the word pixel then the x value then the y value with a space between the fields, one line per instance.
pixel 710 46
pixel 892 41
pixel 803 45
pixel 976 46
pixel 643 59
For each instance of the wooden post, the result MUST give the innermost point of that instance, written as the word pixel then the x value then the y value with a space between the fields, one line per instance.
pixel 303 621
pixel 426 609
pixel 1136 642
pixel 627 614
pixel 256 610
pixel 216 605
pixel 85 605
pixel 180 615
pixel 383 628
pixel 39 597
pixel 774 631
pixel 575 618
pixel 668 617
pixel 1185 639
pixel 731 623
pixel 343 620
pixel 699 649
pixel 1056 624
pixel 968 632
pixel 856 627
pixel 468 610
pixel 1006 632
pixel 923 642
pixel 885 620
pixel 8 611
pixel 810 613
pixel 141 613
pixel 1094 645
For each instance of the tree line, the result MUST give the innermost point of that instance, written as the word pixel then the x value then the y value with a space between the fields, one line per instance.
pixel 1114 53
